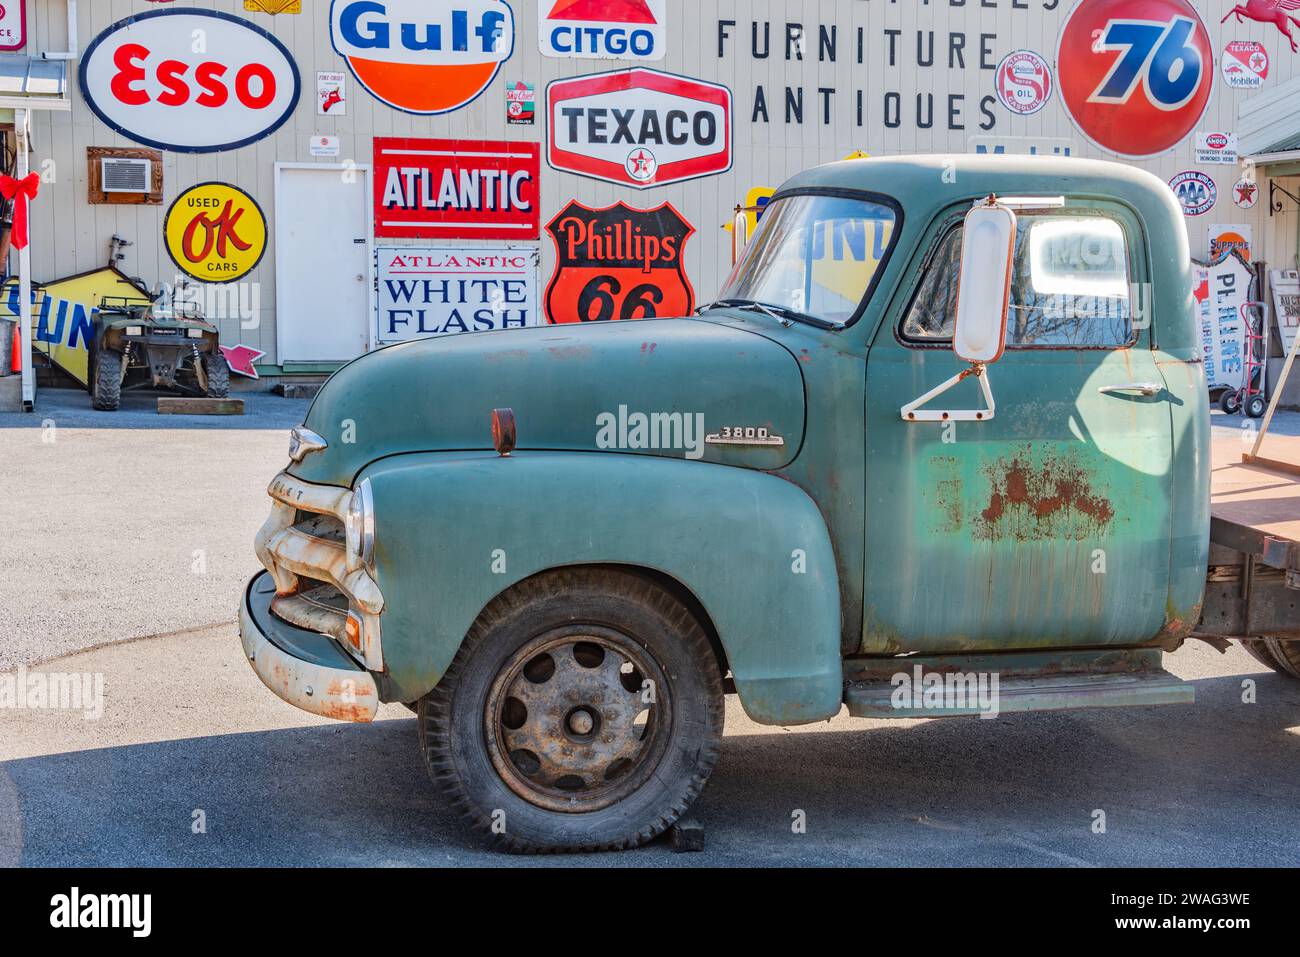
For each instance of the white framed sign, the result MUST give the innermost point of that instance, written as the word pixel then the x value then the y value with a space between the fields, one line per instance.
pixel 444 290
pixel 1285 284
pixel 13 25
pixel 1221 288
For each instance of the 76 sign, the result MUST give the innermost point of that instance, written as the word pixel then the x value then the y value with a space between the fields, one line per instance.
pixel 1135 75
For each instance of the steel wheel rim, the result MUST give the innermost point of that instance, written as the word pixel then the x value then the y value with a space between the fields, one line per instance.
pixel 578 719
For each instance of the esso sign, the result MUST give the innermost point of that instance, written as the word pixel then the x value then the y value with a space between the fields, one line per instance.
pixel 193 81
pixel 1135 75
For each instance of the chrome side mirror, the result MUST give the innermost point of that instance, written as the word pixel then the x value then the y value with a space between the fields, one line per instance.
pixel 988 250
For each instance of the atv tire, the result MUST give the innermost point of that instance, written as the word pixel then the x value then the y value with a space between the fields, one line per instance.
pixel 540 733
pixel 106 380
pixel 217 370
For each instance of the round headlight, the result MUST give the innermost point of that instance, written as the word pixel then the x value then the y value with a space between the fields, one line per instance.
pixel 360 528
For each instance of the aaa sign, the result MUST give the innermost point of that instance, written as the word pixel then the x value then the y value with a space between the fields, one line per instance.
pixel 215 232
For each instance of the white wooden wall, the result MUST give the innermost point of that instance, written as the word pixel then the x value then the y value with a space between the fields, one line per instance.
pixel 71 236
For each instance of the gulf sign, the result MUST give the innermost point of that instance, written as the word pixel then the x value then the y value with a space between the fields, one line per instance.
pixel 638 127
pixel 456 189
pixel 423 56
pixel 192 81
pixel 1135 75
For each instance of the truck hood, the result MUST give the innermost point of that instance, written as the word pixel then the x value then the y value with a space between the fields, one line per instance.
pixel 649 387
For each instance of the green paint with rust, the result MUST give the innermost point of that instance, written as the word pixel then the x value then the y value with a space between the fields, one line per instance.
pixel 986 544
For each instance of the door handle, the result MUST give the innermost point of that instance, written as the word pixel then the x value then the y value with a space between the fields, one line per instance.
pixel 1144 388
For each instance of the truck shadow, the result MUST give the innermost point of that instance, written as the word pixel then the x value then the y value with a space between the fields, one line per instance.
pixel 1216 783
pixel 70 408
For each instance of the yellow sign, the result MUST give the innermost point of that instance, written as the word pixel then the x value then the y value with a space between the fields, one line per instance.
pixel 273 6
pixel 215 232
pixel 755 200
pixel 63 313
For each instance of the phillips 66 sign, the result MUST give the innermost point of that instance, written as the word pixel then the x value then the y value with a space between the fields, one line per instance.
pixel 1135 75
pixel 194 81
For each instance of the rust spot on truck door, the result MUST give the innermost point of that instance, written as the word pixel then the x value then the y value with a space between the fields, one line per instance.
pixel 1053 498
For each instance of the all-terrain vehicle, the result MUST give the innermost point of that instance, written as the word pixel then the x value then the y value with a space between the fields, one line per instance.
pixel 162 344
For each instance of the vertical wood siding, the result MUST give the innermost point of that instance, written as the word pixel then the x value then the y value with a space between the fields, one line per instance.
pixel 71 236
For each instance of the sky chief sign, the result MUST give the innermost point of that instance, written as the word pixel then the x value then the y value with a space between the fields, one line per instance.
pixel 602 29
pixel 638 127
pixel 423 56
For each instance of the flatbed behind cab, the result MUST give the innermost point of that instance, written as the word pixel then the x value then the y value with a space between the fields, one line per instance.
pixel 1253 581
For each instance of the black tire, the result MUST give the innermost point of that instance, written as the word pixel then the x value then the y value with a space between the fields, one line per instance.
pixel 218 372
pixel 1255 406
pixel 1230 401
pixel 464 736
pixel 106 380
pixel 1281 655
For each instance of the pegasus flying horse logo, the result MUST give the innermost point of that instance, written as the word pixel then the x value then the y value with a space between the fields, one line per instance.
pixel 1269 11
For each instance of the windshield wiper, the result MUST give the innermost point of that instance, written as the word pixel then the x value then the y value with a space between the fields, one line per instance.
pixel 782 314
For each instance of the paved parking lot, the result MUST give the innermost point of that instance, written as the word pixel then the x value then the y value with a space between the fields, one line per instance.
pixel 100 554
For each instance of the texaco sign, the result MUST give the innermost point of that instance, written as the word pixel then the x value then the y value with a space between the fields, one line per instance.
pixel 638 127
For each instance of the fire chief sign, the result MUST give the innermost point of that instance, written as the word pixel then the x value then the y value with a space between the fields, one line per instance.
pixel 638 127
pixel 215 232
pixel 456 189
pixel 450 289
pixel 618 263
pixel 1135 75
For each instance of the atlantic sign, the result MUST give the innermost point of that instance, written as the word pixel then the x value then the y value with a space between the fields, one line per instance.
pixel 423 56
pixel 456 189
pixel 151 79
pixel 638 127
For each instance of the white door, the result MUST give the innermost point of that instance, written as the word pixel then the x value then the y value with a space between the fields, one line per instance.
pixel 322 261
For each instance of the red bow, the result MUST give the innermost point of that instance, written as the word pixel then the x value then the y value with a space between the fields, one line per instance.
pixel 21 191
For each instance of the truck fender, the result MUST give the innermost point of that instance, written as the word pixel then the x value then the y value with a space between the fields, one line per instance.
pixel 454 530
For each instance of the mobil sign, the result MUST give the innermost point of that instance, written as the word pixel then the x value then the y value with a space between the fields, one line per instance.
pixel 193 81
pixel 456 189
pixel 602 29
pixel 638 127
pixel 423 56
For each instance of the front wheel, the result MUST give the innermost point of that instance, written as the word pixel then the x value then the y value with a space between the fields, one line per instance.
pixel 1230 401
pixel 217 373
pixel 1255 406
pixel 106 372
pixel 583 712
pixel 1281 655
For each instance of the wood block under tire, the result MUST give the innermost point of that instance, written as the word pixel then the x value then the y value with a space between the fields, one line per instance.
pixel 183 405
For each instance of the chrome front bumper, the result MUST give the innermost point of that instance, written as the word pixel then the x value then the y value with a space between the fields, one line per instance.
pixel 306 669
pixel 289 553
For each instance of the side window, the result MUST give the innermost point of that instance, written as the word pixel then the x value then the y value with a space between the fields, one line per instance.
pixel 1070 285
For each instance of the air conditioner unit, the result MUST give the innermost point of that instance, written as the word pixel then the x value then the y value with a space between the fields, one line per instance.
pixel 124 175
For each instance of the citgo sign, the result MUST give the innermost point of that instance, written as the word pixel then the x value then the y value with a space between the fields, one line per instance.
pixel 423 56
pixel 193 81
pixel 1135 75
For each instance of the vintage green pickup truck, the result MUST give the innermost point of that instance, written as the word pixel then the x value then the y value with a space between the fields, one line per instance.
pixel 941 446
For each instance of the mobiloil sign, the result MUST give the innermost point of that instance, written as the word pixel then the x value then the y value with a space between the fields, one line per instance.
pixel 423 56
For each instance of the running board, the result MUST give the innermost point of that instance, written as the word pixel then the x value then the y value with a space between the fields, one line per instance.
pixel 950 686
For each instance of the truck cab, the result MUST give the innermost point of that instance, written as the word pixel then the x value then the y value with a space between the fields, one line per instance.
pixel 939 447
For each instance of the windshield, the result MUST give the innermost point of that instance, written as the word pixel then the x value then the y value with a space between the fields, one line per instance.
pixel 814 255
